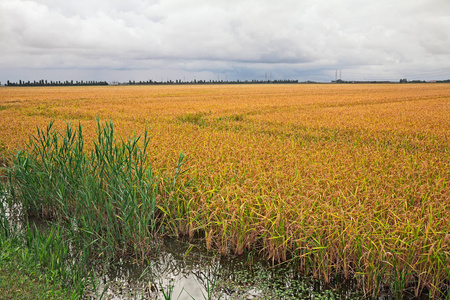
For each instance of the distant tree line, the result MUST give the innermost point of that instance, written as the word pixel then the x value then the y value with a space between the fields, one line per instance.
pixel 403 80
pixel 43 82
pixel 179 81
pixel 362 81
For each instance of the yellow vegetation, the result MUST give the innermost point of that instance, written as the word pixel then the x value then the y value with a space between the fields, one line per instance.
pixel 350 179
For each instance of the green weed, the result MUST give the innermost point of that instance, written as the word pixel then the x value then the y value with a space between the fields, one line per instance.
pixel 193 118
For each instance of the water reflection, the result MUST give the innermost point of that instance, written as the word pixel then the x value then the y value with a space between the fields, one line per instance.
pixel 188 271
pixel 11 217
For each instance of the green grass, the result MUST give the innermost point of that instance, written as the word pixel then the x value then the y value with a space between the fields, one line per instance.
pixel 193 118
pixel 33 264
pixel 3 155
pixel 21 278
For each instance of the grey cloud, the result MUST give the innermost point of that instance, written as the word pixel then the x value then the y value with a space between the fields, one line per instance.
pixel 295 38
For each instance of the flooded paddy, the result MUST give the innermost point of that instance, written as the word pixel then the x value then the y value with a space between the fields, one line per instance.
pixel 185 270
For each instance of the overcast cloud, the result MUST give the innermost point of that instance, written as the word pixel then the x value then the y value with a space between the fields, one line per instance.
pixel 234 39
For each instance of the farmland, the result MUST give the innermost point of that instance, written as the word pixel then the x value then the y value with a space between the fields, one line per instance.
pixel 339 179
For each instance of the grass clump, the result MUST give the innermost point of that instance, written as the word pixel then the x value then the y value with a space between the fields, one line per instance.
pixel 20 280
pixel 235 118
pixel 107 198
pixel 193 118
pixel 43 269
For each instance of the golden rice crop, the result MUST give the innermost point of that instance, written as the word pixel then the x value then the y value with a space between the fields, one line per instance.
pixel 340 179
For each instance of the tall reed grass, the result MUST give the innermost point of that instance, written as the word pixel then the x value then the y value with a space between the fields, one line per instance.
pixel 106 198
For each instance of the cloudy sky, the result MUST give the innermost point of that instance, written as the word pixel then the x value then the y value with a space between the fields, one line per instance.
pixel 234 39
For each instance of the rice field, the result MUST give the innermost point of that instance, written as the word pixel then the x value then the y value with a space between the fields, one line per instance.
pixel 335 179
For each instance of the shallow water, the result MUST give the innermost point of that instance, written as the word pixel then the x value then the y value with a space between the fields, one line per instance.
pixel 195 273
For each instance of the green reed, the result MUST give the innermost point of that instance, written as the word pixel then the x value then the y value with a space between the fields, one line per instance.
pixel 106 196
